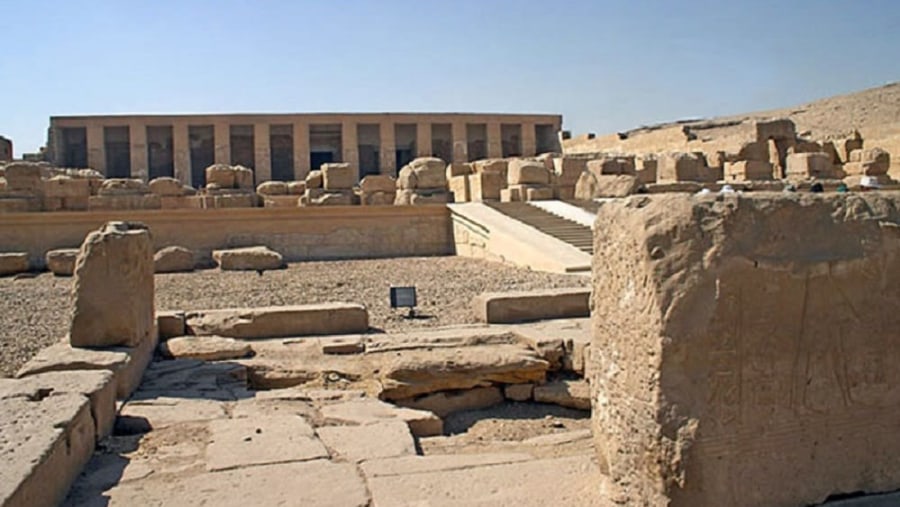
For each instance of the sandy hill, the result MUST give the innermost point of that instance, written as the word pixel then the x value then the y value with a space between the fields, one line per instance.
pixel 874 113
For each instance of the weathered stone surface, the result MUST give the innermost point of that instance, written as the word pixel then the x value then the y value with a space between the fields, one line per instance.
pixel 518 392
pixel 296 187
pixel 378 183
pixel 333 198
pixel 280 201
pixel 521 171
pixel 377 198
pixel 170 323
pixel 12 263
pixel 611 166
pixel 166 186
pixel 430 173
pixel 272 188
pixel 809 165
pixel 123 186
pixel 421 197
pixel 66 186
pixel 486 185
pixel 221 175
pixel 366 411
pixel 491 165
pixel 23 176
pixel 314 179
pixel 339 345
pixel 591 186
pixel 524 306
pixel 338 176
pixel 868 162
pixel 445 403
pixel 743 347
pixel 459 187
pixel 781 129
pixel 114 288
pixel 264 440
pixel 455 169
pixel 748 170
pixel 251 258
pixel 61 262
pixel 280 321
pixel 567 393
pixel 124 202
pixel 678 166
pixel 205 348
pixel 97 385
pixel 173 259
pixel 45 443
pixel 444 369
pixel 383 439
pixel 558 481
pixel 158 412
pixel 568 169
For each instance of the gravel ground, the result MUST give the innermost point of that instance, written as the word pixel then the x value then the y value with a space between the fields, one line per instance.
pixel 34 312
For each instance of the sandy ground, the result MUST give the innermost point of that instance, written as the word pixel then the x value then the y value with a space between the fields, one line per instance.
pixel 34 312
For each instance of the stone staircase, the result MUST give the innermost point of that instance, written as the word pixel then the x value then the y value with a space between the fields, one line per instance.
pixel 560 228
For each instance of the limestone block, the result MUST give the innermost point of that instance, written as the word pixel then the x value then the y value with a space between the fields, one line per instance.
pixel 377 198
pixel 51 203
pixel 430 173
pixel 24 177
pixel 611 165
pixel 538 192
pixel 518 392
pixel 76 203
pixel 170 324
pixel 445 403
pixel 230 200
pixel 458 169
pixel 566 192
pixel 748 170
pixel 444 369
pixel 491 165
pixel 459 187
pixel 272 188
pixel 378 183
pixel 313 180
pixel 511 194
pixel 205 348
pixel 114 287
pixel 253 258
pixel 173 259
pixel 280 321
pixel 340 345
pixel 809 165
pixel 486 185
pixel 221 175
pixel 124 202
pixel 272 439
pixel 66 186
pixel 678 166
pixel 182 202
pixel 166 187
pixel 420 197
pixel 296 187
pixel 385 439
pixel 566 393
pixel 280 201
pixel 335 198
pixel 46 442
pixel 761 372
pixel 521 171
pixel 12 263
pixel 366 411
pixel 868 162
pixel 855 181
pixel 123 186
pixel 591 186
pixel 61 262
pixel 406 179
pixel 524 306
pixel 779 130
pixel 338 176
pixel 243 178
pixel 568 169
pixel 19 204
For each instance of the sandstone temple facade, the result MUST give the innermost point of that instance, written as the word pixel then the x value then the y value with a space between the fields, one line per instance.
pixel 287 146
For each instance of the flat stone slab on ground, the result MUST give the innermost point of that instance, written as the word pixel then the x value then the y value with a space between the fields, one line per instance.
pixel 205 348
pixel 525 306
pixel 161 412
pixel 571 481
pixel 383 439
pixel 445 403
pixel 368 411
pixel 318 482
pixel 263 440
pixel 280 321
pixel 566 393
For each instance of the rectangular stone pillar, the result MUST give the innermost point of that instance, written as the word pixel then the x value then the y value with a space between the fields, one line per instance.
pixel 137 137
pixel 301 151
pixel 350 145
pixel 262 153
pixel 181 152
pixel 423 140
pixel 494 140
pixel 529 140
pixel 460 142
pixel 222 140
pixel 388 149
pixel 96 149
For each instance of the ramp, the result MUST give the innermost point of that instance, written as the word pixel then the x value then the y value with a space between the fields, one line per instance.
pixel 521 234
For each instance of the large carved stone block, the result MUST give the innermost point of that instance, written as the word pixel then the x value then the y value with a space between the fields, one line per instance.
pixel 745 348
pixel 114 287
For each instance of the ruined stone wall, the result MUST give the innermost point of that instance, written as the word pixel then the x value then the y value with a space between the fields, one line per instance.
pixel 745 346
pixel 297 233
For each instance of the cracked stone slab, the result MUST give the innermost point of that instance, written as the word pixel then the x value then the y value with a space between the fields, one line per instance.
pixel 264 440
pixel 371 441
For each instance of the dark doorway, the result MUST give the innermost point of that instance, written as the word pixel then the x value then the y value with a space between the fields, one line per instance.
pixel 281 146
pixel 511 139
pixel 74 147
pixel 325 144
pixel 160 158
pixel 476 141
pixel 317 158
pixel 116 141
pixel 203 152
pixel 545 138
pixel 368 138
pixel 442 141
pixel 241 142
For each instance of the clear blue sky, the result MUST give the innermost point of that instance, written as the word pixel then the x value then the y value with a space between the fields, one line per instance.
pixel 604 65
